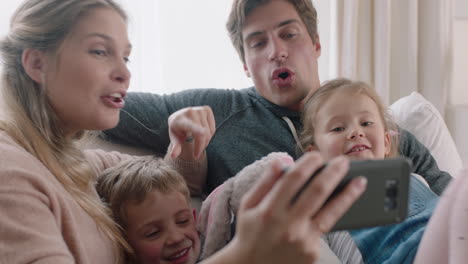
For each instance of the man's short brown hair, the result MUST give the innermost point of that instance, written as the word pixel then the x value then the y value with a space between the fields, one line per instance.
pixel 241 9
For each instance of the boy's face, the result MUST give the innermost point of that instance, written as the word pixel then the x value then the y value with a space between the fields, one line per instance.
pixel 162 229
pixel 350 124
pixel 280 55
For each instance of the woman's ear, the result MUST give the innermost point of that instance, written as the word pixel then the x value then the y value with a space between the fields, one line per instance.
pixel 387 143
pixel 311 147
pixel 246 70
pixel 34 64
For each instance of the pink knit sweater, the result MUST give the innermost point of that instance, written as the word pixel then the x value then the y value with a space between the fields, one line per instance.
pixel 39 220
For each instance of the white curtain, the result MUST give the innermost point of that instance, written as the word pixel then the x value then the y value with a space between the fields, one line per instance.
pixel 398 46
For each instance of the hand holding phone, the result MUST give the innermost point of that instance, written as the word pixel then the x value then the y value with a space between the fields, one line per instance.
pixel 385 200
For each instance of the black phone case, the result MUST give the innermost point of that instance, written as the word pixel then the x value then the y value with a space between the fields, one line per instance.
pixel 385 200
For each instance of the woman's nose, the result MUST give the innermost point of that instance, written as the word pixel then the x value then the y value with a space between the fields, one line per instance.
pixel 121 74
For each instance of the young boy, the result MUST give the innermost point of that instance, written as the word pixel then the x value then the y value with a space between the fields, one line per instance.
pixel 151 202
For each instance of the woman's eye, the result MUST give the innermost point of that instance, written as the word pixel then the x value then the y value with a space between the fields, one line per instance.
pixel 337 129
pixel 99 52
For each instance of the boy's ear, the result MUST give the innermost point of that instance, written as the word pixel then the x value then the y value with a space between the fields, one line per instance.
pixel 34 64
pixel 311 147
pixel 194 212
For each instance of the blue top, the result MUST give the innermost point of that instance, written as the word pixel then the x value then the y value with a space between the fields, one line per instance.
pixel 398 243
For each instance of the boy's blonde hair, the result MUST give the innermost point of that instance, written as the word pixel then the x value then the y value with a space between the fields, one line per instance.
pixel 133 179
pixel 341 85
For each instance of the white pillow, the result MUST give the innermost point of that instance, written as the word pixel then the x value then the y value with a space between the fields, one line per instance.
pixel 417 115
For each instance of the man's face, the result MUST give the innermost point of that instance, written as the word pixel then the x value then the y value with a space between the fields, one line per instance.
pixel 280 55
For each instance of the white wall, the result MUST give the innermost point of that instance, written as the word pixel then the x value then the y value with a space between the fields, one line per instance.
pixel 184 44
pixel 459 93
pixel 192 47
pixel 457 114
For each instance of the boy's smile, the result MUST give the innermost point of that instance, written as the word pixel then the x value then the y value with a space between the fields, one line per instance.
pixel 161 229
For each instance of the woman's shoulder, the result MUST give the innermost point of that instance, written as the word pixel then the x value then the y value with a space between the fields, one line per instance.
pixel 21 172
pixel 15 156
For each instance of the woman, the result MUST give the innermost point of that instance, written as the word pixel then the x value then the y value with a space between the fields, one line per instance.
pixel 65 73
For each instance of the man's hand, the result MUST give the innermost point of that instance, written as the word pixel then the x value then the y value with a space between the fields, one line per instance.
pixel 190 131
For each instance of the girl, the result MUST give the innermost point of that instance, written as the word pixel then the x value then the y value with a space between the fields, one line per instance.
pixel 346 118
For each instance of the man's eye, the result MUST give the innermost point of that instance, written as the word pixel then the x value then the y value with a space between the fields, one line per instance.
pixel 258 44
pixel 367 123
pixel 290 35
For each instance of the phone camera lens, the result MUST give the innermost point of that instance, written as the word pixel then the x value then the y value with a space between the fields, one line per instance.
pixel 391 193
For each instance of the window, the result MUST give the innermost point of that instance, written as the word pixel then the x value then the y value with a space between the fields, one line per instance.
pixel 184 44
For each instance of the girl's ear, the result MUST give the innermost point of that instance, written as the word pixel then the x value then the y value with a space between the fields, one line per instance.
pixel 387 143
pixel 34 64
pixel 311 147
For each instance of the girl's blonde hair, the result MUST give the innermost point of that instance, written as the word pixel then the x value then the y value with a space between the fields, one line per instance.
pixel 43 25
pixel 342 85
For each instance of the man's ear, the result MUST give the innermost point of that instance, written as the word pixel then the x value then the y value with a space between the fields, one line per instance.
pixel 311 147
pixel 246 70
pixel 317 45
pixel 34 64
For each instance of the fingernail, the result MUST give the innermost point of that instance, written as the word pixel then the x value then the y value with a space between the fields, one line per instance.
pixel 361 182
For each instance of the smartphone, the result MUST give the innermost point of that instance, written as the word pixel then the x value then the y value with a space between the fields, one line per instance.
pixel 385 200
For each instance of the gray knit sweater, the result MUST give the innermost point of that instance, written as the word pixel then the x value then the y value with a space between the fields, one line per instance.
pixel 248 127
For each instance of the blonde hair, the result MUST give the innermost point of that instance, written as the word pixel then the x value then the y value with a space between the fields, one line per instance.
pixel 131 181
pixel 341 85
pixel 43 25
pixel 241 9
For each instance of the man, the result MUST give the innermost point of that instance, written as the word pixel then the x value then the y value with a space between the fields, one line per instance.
pixel 278 44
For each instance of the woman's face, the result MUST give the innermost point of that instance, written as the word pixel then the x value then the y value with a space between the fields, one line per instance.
pixel 88 78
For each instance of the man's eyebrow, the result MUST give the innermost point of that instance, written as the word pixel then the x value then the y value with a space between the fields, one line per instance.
pixel 287 22
pixel 281 24
pixel 103 36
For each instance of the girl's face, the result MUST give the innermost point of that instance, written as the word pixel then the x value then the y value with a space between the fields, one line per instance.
pixel 88 79
pixel 350 124
pixel 162 229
